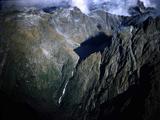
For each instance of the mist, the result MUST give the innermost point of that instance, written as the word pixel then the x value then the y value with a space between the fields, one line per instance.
pixel 119 7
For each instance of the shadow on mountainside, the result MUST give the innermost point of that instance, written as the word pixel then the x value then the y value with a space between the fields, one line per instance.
pixel 93 44
pixel 11 109
pixel 131 105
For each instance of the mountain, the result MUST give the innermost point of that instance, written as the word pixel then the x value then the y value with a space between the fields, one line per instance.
pixel 65 65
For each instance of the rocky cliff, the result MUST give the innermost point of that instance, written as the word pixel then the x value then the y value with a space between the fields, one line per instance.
pixel 67 65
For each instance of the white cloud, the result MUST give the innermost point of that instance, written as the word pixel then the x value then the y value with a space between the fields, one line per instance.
pixel 148 3
pixel 81 4
pixel 119 7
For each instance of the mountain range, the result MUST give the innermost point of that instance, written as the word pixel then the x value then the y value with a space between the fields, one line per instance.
pixel 62 64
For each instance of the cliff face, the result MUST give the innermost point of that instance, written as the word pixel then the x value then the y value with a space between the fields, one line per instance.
pixel 67 65
pixel 127 86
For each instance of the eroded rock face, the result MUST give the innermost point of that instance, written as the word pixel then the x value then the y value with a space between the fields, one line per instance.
pixel 42 63
pixel 128 77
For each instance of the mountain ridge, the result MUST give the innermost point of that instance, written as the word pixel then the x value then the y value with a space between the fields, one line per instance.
pixel 40 66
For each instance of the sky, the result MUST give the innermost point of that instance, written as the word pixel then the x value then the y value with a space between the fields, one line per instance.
pixel 119 7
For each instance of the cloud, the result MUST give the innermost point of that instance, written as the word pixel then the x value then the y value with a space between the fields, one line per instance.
pixel 148 3
pixel 81 4
pixel 119 7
